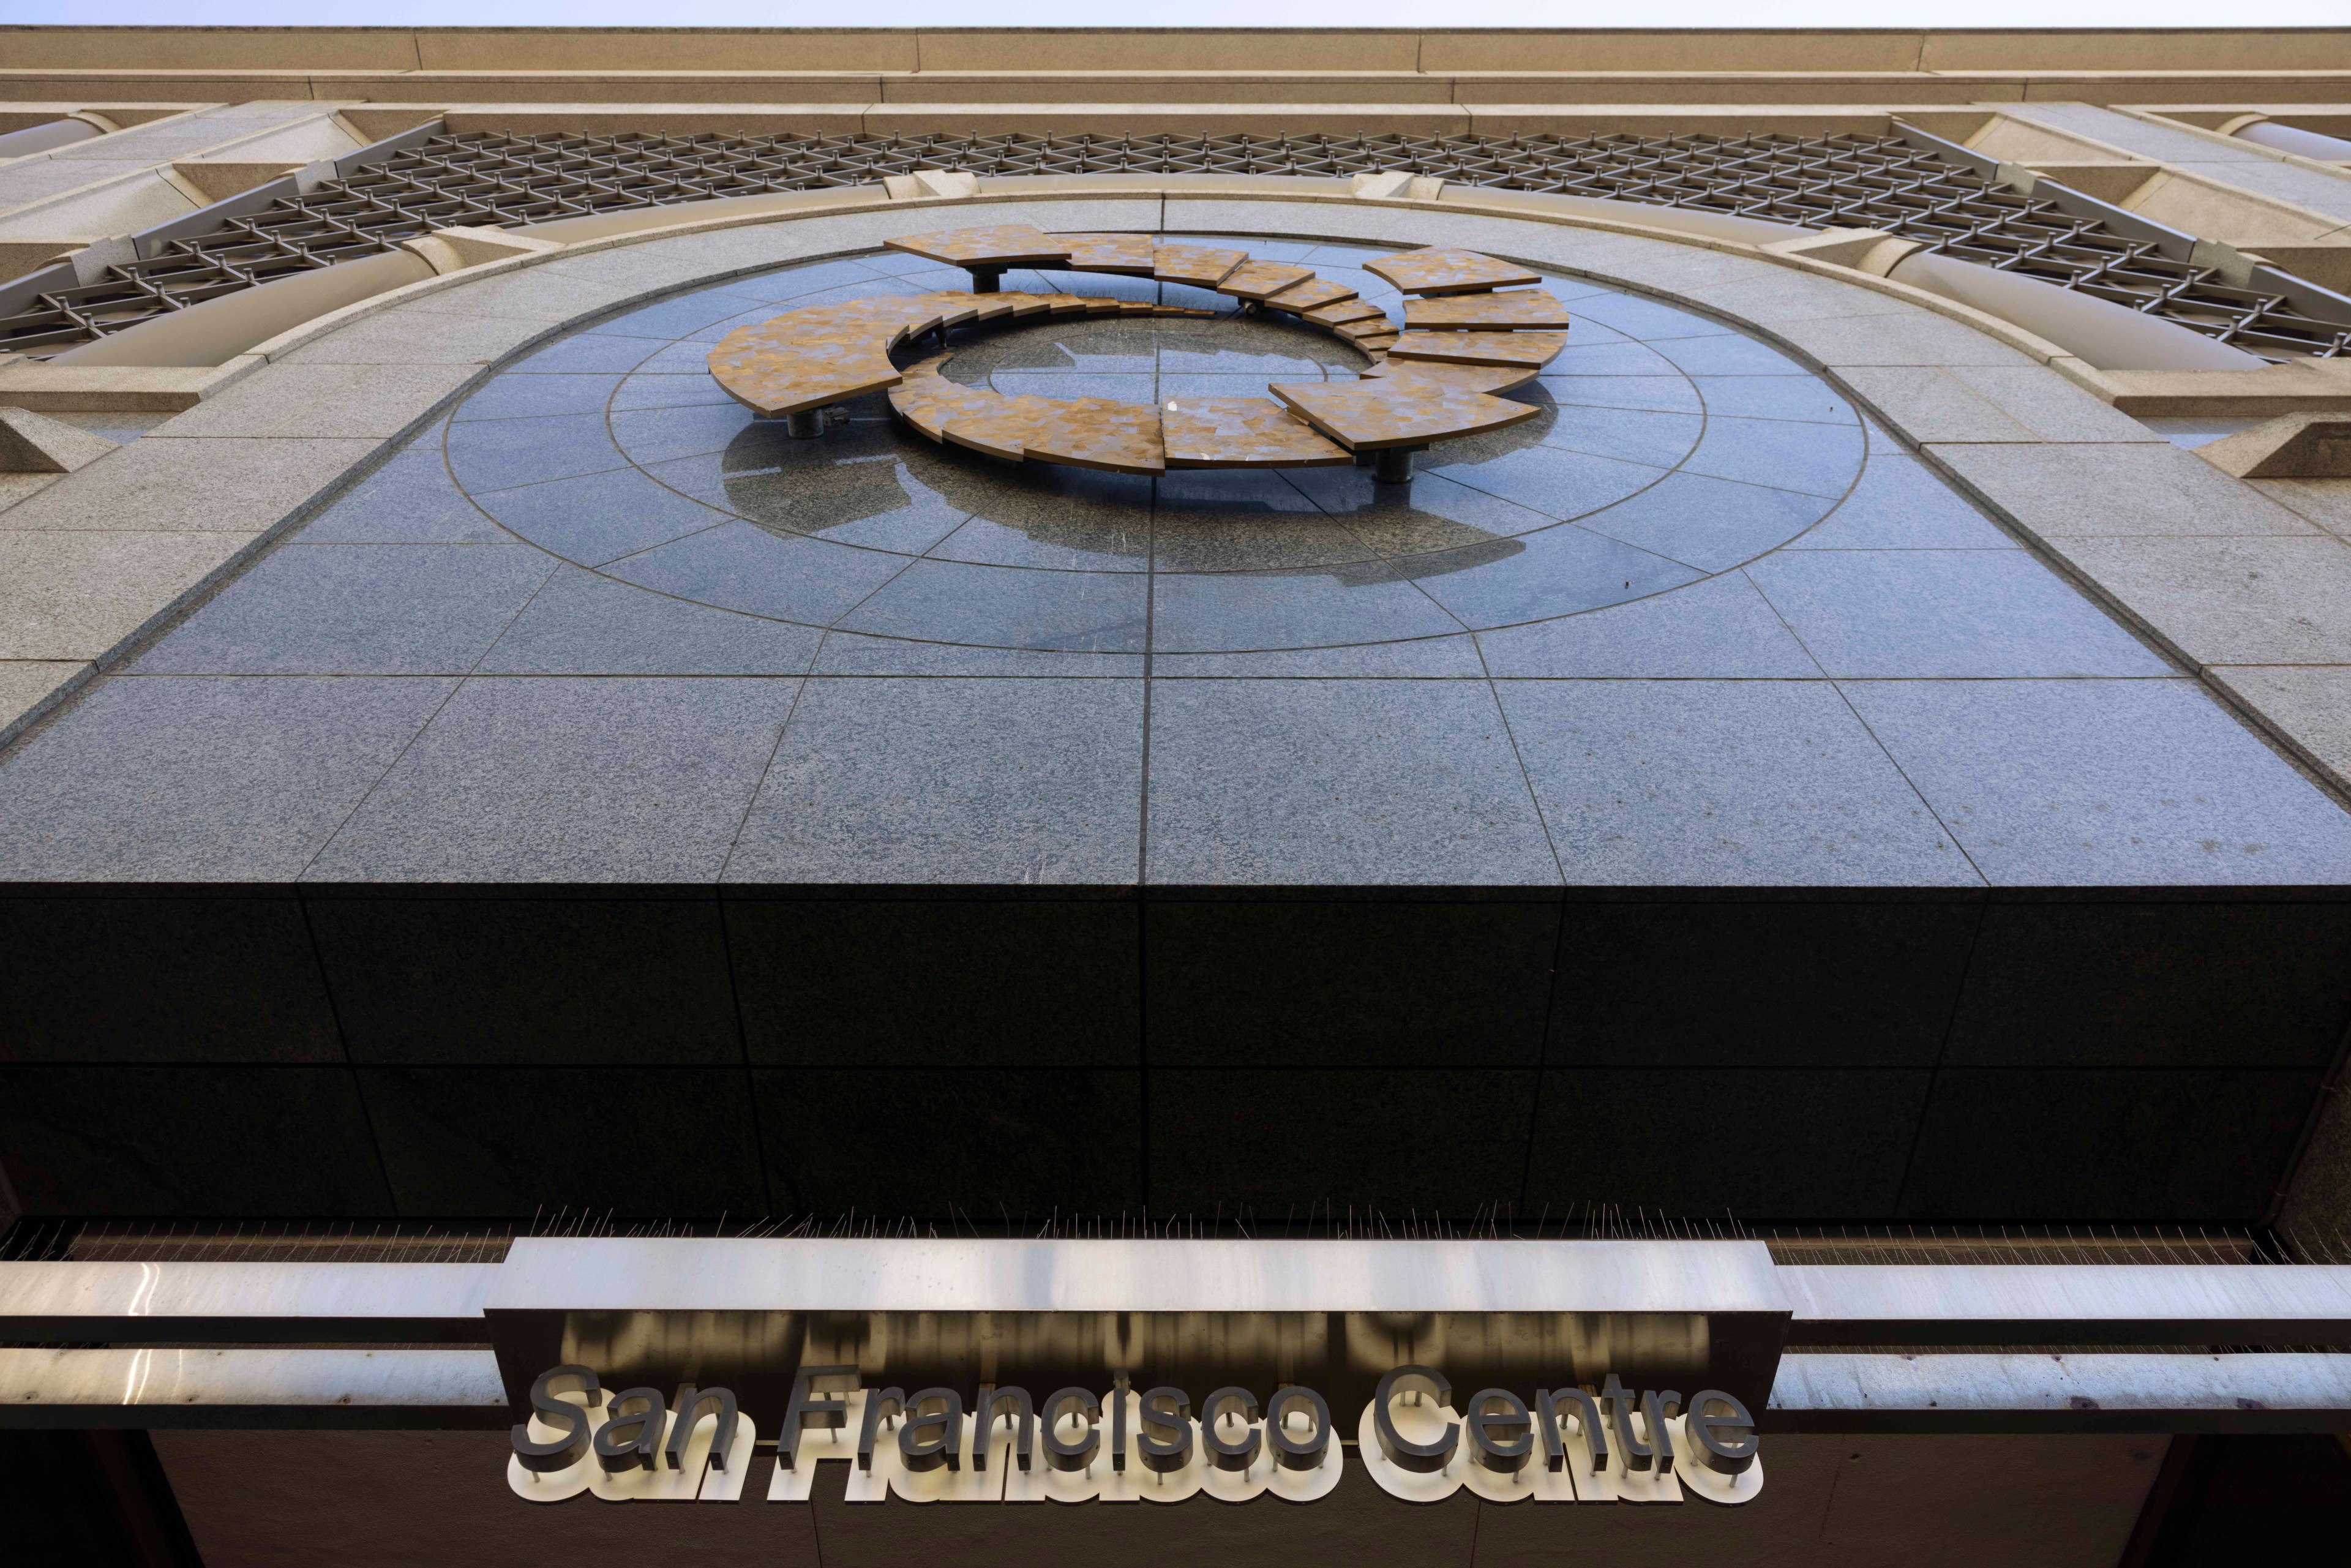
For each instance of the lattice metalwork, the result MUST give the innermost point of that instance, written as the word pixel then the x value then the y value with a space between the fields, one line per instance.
pixel 1866 182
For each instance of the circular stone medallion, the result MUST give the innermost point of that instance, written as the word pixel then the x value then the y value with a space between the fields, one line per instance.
pixel 1667 448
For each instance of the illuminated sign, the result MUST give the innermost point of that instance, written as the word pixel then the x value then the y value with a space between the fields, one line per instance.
pixel 1122 1444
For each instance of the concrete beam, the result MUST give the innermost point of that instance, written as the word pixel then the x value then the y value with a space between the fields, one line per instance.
pixel 2288 1391
pixel 243 1303
pixel 280 1388
pixel 198 1387
pixel 2050 1303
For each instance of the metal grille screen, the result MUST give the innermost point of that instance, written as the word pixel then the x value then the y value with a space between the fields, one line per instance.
pixel 1862 181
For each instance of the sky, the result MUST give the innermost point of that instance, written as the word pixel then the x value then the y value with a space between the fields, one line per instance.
pixel 1182 13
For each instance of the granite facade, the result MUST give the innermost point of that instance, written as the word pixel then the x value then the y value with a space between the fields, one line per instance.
pixel 611 803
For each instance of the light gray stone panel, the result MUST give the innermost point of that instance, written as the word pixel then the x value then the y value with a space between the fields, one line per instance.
pixel 34 444
pixel 2106 783
pixel 1918 340
pixel 229 779
pixel 957 780
pixel 1452 657
pixel 2231 601
pixel 1721 783
pixel 1966 613
pixel 1338 782
pixel 540 779
pixel 2046 403
pixel 634 269
pixel 2091 490
pixel 408 337
pixel 323 401
pixel 2329 193
pixel 1799 399
pixel 2244 165
pixel 2310 702
pixel 530 294
pixel 1719 627
pixel 1793 295
pixel 1992 403
pixel 161 485
pixel 14 487
pixel 355 610
pixel 849 653
pixel 1933 404
pixel 65 595
pixel 2326 502
pixel 28 688
pixel 584 624
pixel 1899 504
pixel 1662 264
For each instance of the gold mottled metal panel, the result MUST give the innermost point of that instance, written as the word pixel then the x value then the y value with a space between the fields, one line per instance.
pixel 774 377
pixel 1195 263
pixel 1343 311
pixel 1510 311
pixel 1474 378
pixel 1367 415
pixel 929 402
pixel 1257 279
pixel 1000 430
pixel 1020 305
pixel 1301 298
pixel 998 244
pixel 1097 433
pixel 1438 271
pixel 1082 432
pixel 1242 433
pixel 1129 254
pixel 824 354
pixel 950 307
pixel 1482 348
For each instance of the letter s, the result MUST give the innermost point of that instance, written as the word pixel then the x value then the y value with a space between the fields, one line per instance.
pixel 562 1452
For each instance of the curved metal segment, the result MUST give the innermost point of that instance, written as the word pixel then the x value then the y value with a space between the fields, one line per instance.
pixel 1439 271
pixel 1398 411
pixel 1243 433
pixel 1506 310
pixel 824 354
pixel 998 244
